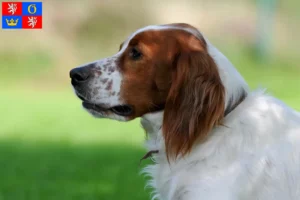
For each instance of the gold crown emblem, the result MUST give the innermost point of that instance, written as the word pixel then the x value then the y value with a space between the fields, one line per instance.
pixel 12 22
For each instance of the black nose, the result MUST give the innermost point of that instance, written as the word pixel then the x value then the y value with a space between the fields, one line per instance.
pixel 79 75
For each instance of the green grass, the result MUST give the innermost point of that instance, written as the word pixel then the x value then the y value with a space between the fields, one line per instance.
pixel 51 149
pixel 51 171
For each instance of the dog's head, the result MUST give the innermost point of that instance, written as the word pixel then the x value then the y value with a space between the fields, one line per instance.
pixel 165 67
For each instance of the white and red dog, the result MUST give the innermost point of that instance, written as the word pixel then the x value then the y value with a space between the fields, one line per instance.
pixel 212 137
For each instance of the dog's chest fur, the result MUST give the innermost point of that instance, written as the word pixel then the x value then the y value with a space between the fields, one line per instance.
pixel 254 156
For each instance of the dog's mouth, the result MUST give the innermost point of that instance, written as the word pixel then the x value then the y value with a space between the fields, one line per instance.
pixel 122 110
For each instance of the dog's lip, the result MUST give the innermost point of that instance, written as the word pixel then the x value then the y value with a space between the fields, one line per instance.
pixel 122 110
pixel 93 106
pixel 79 96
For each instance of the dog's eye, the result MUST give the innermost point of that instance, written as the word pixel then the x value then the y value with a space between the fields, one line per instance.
pixel 135 54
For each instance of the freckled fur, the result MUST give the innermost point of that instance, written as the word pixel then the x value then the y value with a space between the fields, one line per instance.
pixel 103 81
pixel 109 85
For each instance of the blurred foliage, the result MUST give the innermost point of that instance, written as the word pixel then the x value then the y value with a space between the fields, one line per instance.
pixel 16 66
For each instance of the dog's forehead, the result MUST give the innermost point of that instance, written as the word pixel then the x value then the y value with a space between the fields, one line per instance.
pixel 187 28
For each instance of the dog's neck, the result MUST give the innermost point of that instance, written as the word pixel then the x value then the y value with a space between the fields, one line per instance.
pixel 152 124
pixel 152 121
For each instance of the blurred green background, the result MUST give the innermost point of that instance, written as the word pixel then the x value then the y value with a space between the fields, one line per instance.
pixel 51 149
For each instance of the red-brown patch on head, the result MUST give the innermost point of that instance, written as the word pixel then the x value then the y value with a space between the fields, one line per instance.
pixel 146 80
pixel 174 72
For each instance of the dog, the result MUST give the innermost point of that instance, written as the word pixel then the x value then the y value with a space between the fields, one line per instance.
pixel 210 137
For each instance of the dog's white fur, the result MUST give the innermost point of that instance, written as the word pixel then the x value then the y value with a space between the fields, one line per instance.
pixel 255 154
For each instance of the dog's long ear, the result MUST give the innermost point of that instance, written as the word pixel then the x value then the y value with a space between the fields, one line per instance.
pixel 195 103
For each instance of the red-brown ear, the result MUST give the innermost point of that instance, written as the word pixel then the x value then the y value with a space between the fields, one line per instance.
pixel 195 103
